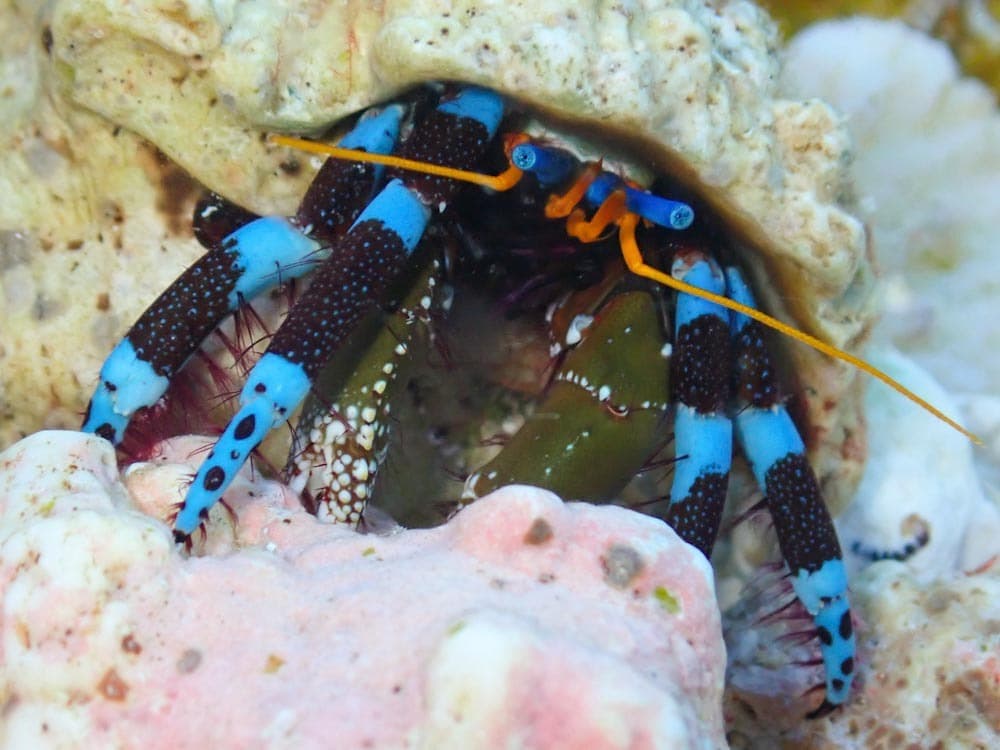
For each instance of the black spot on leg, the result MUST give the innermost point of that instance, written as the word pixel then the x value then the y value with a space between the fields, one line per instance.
pixel 245 428
pixel 259 388
pixel 837 684
pixel 214 478
pixel 846 629
pixel 847 665
pixel 824 635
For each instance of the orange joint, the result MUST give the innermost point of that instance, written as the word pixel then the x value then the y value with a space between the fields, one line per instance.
pixel 560 206
pixel 609 212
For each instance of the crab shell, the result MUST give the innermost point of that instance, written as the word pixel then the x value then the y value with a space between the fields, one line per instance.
pixel 686 88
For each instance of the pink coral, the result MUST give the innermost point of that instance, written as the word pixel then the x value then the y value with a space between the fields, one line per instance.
pixel 524 622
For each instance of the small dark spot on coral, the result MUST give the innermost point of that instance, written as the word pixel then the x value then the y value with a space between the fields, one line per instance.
pixel 621 565
pixel 291 167
pixel 103 301
pixel 9 705
pixel 539 533
pixel 74 244
pixel 190 660
pixel 47 40
pixel 112 686
pixel 130 645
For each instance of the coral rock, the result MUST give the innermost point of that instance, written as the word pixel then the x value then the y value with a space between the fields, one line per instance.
pixel 523 622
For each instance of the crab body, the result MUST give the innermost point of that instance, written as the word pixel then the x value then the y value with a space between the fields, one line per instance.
pixel 361 262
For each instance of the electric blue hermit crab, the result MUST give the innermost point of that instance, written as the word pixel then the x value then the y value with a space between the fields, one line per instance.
pixel 369 221
pixel 367 242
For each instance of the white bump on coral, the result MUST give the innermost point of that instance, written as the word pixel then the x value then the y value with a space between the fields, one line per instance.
pixel 923 479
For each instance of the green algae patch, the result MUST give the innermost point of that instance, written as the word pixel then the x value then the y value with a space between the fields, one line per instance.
pixel 668 601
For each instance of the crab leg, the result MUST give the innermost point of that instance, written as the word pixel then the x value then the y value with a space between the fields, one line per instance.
pixel 258 255
pixel 805 530
pixel 703 432
pixel 346 287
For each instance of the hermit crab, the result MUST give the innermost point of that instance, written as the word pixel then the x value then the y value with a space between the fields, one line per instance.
pixel 666 94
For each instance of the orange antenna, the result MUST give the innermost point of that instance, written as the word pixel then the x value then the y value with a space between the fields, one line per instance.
pixel 636 264
pixel 616 212
pixel 500 182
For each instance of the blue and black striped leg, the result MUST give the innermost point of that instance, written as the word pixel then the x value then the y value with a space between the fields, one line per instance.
pixel 254 257
pixel 805 530
pixel 703 433
pixel 348 285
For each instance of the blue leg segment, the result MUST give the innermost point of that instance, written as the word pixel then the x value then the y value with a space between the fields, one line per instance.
pixel 805 530
pixel 273 390
pixel 256 256
pixel 703 433
pixel 348 285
